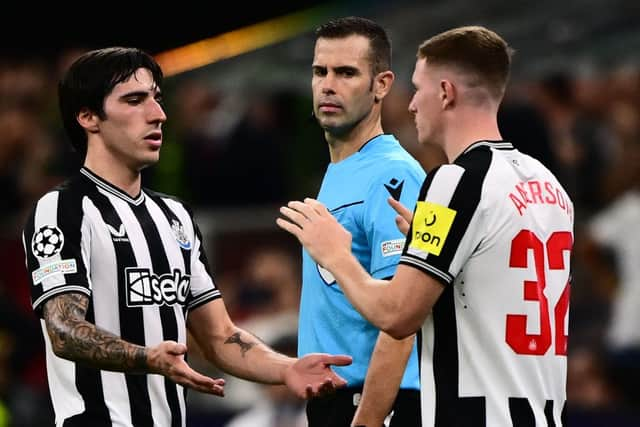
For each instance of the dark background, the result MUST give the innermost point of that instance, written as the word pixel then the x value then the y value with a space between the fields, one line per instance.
pixel 28 30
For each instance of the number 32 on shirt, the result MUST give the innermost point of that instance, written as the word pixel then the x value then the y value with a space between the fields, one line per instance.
pixel 550 252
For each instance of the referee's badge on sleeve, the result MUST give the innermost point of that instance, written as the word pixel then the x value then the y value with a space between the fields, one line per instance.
pixel 431 225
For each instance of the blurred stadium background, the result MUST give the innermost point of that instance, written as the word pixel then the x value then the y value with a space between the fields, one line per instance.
pixel 240 142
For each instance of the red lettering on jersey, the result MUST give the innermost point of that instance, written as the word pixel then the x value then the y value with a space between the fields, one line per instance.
pixel 531 192
pixel 519 204
pixel 536 191
pixel 523 193
pixel 551 197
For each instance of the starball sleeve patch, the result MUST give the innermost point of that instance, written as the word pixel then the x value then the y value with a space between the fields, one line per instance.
pixel 47 241
pixel 431 225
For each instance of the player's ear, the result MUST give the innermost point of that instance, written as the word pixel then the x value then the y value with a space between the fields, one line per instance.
pixel 382 84
pixel 88 120
pixel 447 94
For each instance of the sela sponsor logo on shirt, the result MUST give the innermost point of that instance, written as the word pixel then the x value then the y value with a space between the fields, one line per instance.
pixel 64 266
pixel 392 247
pixel 181 236
pixel 145 288
pixel 47 241
pixel 431 225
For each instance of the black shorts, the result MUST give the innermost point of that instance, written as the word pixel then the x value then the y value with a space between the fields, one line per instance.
pixel 338 409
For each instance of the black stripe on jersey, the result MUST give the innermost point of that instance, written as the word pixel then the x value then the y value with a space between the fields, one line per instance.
pixel 445 359
pixel 88 380
pixel 548 413
pixel 70 215
pixel 471 412
pixel 521 412
pixel 161 265
pixel 131 318
pixel 451 410
pixel 171 216
pixel 465 200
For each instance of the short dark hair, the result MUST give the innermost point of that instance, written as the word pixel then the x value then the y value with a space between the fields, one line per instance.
pixel 475 50
pixel 380 44
pixel 91 78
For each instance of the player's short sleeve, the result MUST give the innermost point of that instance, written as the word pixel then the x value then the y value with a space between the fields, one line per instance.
pixel 56 240
pixel 446 224
pixel 203 287
pixel 400 180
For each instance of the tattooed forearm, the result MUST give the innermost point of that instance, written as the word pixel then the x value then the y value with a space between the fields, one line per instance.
pixel 73 338
pixel 244 346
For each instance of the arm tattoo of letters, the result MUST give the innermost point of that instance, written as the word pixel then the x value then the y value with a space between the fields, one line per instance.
pixel 73 338
pixel 244 346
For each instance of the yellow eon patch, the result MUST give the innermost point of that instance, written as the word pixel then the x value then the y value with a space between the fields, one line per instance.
pixel 431 225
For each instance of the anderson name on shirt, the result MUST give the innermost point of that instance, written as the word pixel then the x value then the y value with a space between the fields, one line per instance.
pixel 542 193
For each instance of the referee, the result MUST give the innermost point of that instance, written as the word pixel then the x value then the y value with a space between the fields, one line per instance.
pixel 118 272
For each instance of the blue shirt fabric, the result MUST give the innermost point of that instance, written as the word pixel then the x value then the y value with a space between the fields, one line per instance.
pixel 355 190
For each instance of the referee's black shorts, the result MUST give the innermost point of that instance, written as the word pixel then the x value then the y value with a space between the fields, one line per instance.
pixel 338 409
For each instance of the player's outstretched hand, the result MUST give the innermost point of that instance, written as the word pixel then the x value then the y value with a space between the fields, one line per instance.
pixel 316 229
pixel 403 219
pixel 167 358
pixel 312 376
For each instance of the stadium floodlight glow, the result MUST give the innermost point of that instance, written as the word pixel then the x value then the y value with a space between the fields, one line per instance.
pixel 240 41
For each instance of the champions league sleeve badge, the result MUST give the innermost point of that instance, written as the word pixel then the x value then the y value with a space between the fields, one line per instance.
pixel 181 236
pixel 47 241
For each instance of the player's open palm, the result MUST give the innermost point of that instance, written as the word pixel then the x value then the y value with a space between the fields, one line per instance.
pixel 167 358
pixel 312 376
pixel 316 229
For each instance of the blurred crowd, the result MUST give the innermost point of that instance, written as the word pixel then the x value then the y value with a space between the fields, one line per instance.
pixel 256 149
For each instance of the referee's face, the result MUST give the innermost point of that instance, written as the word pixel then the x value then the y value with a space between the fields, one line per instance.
pixel 131 133
pixel 342 83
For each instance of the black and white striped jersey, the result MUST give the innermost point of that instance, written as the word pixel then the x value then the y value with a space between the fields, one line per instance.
pixel 496 228
pixel 141 263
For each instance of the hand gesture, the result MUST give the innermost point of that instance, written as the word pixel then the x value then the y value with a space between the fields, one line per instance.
pixel 316 229
pixel 403 219
pixel 167 358
pixel 312 376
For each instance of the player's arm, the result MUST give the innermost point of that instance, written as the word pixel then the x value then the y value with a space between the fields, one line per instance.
pixel 384 375
pixel 242 354
pixel 398 307
pixel 74 338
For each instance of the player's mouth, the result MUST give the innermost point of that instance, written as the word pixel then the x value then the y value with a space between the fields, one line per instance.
pixel 154 139
pixel 329 107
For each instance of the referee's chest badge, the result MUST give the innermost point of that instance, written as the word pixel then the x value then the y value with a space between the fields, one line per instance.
pixel 181 236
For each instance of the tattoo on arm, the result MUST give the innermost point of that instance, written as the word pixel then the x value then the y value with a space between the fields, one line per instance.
pixel 244 346
pixel 73 338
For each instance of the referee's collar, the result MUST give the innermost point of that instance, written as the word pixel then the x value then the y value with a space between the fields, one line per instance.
pixel 112 189
pixel 497 145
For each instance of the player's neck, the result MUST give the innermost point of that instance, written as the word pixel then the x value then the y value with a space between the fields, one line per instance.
pixel 483 126
pixel 114 172
pixel 341 147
